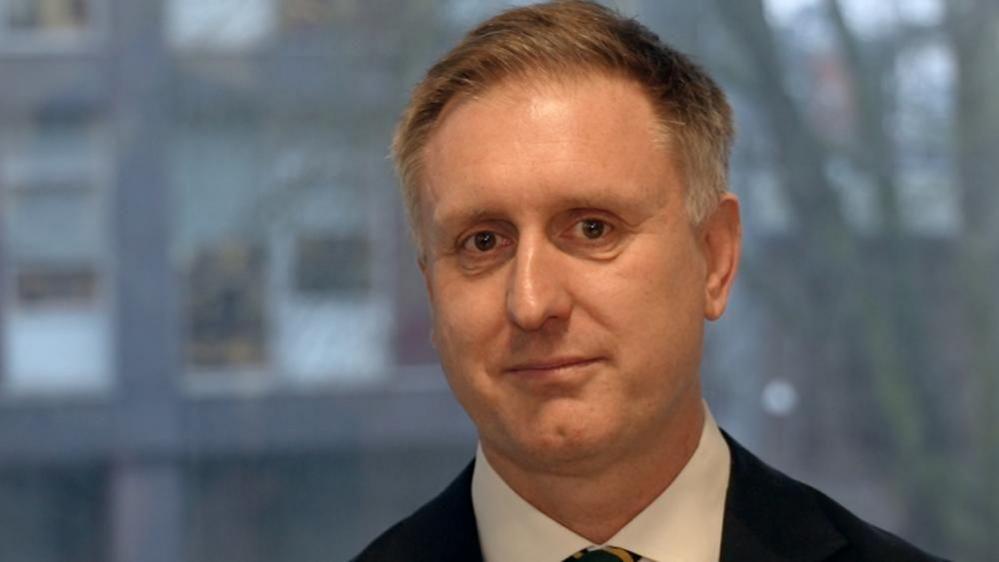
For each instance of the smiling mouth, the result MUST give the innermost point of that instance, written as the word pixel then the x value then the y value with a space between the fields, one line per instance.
pixel 551 365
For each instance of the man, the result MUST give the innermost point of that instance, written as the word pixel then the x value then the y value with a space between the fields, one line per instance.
pixel 566 180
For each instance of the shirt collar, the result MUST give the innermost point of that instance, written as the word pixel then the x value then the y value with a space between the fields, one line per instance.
pixel 683 524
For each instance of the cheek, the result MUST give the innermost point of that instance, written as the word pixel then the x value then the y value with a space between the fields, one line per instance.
pixel 468 325
pixel 648 292
pixel 465 319
pixel 651 308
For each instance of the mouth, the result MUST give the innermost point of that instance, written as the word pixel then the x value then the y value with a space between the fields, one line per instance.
pixel 551 365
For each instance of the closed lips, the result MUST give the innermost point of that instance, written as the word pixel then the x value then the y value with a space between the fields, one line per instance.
pixel 552 364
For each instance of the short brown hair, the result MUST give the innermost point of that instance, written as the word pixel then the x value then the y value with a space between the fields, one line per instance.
pixel 564 38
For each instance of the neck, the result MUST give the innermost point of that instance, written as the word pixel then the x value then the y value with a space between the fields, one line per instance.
pixel 599 501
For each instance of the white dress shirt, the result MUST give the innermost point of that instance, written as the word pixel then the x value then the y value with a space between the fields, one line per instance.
pixel 683 524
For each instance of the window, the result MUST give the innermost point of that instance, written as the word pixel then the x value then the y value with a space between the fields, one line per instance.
pixel 218 25
pixel 53 178
pixel 225 308
pixel 327 264
pixel 46 25
pixel 68 286
pixel 277 250
pixel 47 15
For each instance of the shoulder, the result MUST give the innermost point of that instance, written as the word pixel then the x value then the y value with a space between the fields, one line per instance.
pixel 769 515
pixel 866 541
pixel 441 530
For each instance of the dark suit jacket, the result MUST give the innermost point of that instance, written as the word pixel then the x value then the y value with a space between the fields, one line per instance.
pixel 768 517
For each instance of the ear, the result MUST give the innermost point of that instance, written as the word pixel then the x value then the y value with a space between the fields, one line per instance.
pixel 721 242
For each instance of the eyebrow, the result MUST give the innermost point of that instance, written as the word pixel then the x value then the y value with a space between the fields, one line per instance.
pixel 600 199
pixel 457 217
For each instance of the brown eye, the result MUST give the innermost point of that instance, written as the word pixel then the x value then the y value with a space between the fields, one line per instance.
pixel 593 228
pixel 484 241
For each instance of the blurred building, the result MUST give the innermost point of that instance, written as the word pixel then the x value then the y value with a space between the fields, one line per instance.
pixel 209 349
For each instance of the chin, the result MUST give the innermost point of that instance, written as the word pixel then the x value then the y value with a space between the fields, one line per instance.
pixel 564 444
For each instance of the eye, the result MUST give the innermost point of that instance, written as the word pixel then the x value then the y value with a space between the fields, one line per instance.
pixel 593 228
pixel 482 241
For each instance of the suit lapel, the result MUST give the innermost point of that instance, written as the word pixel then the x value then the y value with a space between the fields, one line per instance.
pixel 771 517
pixel 448 524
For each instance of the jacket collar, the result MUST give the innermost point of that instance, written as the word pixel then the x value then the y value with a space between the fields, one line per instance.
pixel 769 517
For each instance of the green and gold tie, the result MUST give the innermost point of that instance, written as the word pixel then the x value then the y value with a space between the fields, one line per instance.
pixel 605 554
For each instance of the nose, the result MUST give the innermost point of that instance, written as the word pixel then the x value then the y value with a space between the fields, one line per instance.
pixel 536 293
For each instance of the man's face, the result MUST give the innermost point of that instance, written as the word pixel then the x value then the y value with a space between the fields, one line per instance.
pixel 568 287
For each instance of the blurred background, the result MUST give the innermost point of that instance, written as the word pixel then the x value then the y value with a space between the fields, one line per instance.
pixel 213 338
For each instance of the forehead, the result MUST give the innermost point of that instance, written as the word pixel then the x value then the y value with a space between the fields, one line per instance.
pixel 588 137
pixel 592 102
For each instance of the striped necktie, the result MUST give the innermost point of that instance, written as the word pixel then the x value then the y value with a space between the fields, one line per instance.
pixel 605 554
